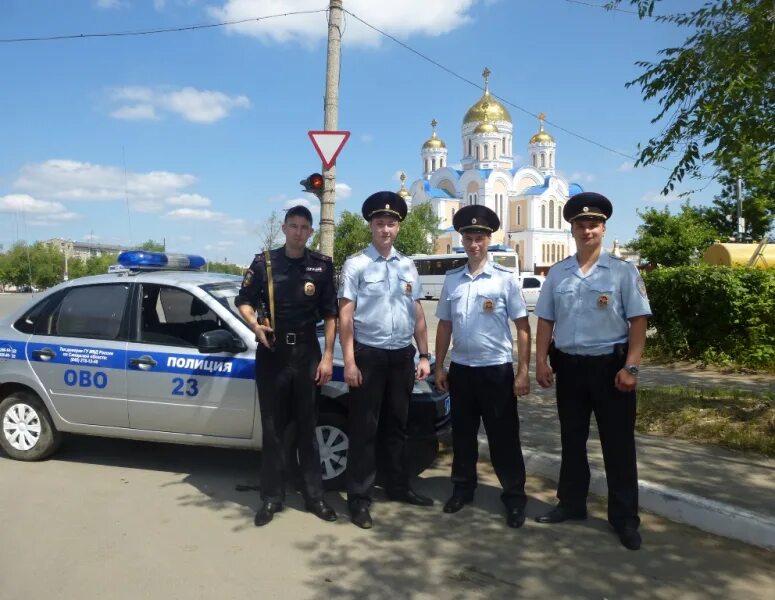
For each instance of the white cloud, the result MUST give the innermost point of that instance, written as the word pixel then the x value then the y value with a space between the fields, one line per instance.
pixel 108 4
pixel 313 206
pixel 581 177
pixel 189 200
pixel 72 180
pixel 146 206
pixel 138 112
pixel 404 18
pixel 36 212
pixel 626 166
pixel 653 197
pixel 198 106
pixel 343 191
pixel 203 214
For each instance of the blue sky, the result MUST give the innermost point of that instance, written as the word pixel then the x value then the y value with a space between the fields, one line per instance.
pixel 196 137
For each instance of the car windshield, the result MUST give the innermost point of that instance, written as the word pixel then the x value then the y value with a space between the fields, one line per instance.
pixel 226 292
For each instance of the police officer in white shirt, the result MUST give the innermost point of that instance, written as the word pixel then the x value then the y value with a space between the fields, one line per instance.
pixel 475 306
pixel 595 307
pixel 380 312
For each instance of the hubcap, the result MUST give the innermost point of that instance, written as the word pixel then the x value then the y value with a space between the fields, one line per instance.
pixel 21 426
pixel 333 444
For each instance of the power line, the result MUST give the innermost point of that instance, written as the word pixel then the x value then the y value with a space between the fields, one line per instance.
pixel 80 36
pixel 603 6
pixel 504 100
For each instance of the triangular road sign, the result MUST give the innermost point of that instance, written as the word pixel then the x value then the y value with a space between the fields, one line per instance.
pixel 328 144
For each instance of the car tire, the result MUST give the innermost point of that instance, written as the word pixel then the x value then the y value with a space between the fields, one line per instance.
pixel 333 445
pixel 27 432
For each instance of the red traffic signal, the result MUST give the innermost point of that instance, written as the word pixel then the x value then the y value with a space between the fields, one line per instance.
pixel 313 184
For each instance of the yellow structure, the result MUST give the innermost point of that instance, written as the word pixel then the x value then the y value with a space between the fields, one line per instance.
pixel 760 255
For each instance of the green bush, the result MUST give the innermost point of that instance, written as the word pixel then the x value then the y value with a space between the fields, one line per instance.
pixel 714 314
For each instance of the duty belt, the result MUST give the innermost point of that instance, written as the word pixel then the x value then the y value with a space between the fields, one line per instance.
pixel 291 338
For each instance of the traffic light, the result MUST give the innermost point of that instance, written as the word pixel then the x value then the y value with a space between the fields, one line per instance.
pixel 313 184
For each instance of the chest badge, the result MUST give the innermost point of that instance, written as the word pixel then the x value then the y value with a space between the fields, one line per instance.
pixel 488 305
pixel 408 289
pixel 602 301
pixel 309 288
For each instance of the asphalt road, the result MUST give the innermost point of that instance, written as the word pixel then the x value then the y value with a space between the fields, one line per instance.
pixel 123 519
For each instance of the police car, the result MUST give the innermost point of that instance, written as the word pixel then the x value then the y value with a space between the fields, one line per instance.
pixel 531 288
pixel 159 352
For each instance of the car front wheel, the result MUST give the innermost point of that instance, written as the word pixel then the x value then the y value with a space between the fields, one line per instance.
pixel 27 430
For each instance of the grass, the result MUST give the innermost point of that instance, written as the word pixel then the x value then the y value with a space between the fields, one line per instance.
pixel 735 419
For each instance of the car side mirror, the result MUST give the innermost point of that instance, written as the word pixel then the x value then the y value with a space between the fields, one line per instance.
pixel 220 340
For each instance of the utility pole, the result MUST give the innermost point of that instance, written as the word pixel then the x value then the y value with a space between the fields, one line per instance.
pixel 740 219
pixel 331 123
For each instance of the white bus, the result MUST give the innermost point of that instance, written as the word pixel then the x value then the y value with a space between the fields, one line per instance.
pixel 433 267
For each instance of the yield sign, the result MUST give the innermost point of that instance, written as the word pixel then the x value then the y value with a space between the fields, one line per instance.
pixel 328 144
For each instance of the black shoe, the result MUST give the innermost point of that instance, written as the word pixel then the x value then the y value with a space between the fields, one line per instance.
pixel 515 517
pixel 559 514
pixel 629 537
pixel 360 516
pixel 456 502
pixel 321 510
pixel 266 513
pixel 410 497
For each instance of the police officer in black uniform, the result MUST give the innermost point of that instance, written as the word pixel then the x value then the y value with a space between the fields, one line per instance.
pixel 289 364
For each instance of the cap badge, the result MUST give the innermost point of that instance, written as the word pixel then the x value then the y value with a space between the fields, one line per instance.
pixel 387 206
pixel 309 288
pixel 602 301
pixel 473 221
pixel 408 289
pixel 488 305
pixel 585 209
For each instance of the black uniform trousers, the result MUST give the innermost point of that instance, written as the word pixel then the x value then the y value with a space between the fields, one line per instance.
pixel 486 394
pixel 380 403
pixel 585 384
pixel 287 394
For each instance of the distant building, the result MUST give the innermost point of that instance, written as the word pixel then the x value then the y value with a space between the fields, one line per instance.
pixel 528 199
pixel 625 253
pixel 83 250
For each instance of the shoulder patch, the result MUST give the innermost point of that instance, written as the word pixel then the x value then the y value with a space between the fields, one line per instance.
pixel 502 268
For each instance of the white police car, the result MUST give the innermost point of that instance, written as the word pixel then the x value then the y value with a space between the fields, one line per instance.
pixel 159 353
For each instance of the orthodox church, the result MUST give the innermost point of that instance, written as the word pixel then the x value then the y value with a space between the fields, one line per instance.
pixel 528 199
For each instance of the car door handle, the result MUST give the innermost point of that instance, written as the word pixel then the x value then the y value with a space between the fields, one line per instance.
pixel 144 362
pixel 45 354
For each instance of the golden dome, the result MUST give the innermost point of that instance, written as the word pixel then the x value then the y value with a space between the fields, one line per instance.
pixel 485 126
pixel 403 192
pixel 542 137
pixel 495 110
pixel 434 143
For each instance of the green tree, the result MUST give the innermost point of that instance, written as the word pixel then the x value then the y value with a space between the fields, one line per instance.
pixel 224 267
pixel 419 230
pixel 351 235
pixel 152 246
pixel 715 92
pixel 672 240
pixel 271 234
pixel 37 264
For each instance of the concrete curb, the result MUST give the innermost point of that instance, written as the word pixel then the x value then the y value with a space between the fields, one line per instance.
pixel 708 515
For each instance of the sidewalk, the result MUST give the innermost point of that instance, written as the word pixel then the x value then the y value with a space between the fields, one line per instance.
pixel 720 491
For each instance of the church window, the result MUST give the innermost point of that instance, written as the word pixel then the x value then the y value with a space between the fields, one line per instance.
pixel 477 152
pixel 543 216
pixel 559 216
pixel 554 253
pixel 495 150
pixel 504 144
pixel 551 214
pixel 535 161
pixel 543 253
pixel 469 146
pixel 449 249
pixel 427 165
pixel 519 215
pixel 433 162
pixel 486 152
pixel 543 160
pixel 441 162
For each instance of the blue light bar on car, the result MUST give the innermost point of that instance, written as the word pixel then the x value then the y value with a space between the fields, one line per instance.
pixel 144 260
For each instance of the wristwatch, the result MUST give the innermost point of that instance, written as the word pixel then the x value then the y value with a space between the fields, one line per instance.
pixel 632 369
pixel 425 355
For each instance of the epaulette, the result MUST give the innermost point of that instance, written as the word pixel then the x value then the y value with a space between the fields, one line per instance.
pixel 500 267
pixel 456 270
pixel 319 256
